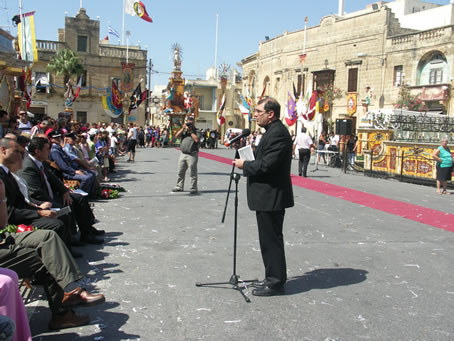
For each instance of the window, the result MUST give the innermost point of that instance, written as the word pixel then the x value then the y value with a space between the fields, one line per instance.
pixel 82 43
pixel 84 78
pixel 81 116
pixel 436 76
pixel 398 73
pixel 352 80
pixel 201 103
pixel 42 82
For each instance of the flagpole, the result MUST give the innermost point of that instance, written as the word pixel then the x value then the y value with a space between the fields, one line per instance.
pixel 305 35
pixel 216 49
pixel 123 25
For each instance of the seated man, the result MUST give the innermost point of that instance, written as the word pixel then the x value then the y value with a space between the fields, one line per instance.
pixel 43 185
pixel 19 211
pixel 69 168
pixel 42 255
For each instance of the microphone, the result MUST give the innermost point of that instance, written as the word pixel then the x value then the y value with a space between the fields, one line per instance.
pixel 244 133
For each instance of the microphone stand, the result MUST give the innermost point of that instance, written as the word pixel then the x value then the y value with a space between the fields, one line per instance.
pixel 234 279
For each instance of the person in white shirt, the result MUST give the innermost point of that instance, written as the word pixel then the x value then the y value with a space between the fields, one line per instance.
pixel 305 144
pixel 132 140
pixel 333 142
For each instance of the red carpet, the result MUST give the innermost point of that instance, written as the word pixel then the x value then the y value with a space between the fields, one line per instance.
pixel 417 213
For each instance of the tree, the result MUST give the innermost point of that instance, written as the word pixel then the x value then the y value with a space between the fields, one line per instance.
pixel 66 63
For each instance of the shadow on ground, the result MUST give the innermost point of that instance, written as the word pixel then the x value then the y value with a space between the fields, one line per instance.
pixel 324 279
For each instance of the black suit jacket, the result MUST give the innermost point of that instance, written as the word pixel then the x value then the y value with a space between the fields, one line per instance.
pixel 269 187
pixel 37 184
pixel 19 211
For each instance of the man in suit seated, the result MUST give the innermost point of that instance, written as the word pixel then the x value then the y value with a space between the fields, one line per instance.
pixel 42 256
pixel 68 167
pixel 43 185
pixel 19 210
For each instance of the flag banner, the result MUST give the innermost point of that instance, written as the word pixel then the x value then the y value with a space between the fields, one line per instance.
pixel 113 32
pixel 220 115
pixel 313 107
pixel 116 96
pixel 126 76
pixel 27 38
pixel 352 103
pixel 136 98
pixel 137 8
pixel 108 104
pixel 290 117
pixel 79 85
pixel 302 58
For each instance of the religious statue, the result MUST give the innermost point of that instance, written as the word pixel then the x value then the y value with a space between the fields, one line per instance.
pixel 177 52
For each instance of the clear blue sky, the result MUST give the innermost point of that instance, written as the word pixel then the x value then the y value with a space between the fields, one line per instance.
pixel 191 23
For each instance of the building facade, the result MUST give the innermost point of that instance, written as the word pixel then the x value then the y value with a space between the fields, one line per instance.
pixel 102 63
pixel 368 53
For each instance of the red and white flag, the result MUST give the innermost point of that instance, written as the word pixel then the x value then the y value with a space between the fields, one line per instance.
pixel 137 8
pixel 220 115
pixel 79 85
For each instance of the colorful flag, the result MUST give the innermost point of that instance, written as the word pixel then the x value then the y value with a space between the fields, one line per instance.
pixel 137 8
pixel 113 32
pixel 220 115
pixel 27 38
pixel 244 106
pixel 116 96
pixel 290 117
pixel 136 98
pixel 313 107
pixel 79 85
pixel 302 58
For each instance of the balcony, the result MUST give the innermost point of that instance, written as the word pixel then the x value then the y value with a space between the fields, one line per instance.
pixel 420 38
pixel 120 52
pixel 49 45
pixel 436 92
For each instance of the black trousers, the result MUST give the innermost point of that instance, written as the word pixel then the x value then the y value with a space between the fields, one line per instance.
pixel 61 225
pixel 41 255
pixel 272 246
pixel 305 156
pixel 81 212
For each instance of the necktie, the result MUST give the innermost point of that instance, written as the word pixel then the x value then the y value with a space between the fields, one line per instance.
pixel 49 189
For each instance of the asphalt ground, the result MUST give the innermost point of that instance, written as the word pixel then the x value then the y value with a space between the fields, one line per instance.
pixel 355 273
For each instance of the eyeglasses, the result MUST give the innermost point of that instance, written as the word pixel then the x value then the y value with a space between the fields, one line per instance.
pixel 260 111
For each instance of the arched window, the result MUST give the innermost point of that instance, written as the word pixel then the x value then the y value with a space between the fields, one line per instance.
pixel 266 86
pixel 432 69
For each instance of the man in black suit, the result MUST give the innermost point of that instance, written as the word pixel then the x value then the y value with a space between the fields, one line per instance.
pixel 19 211
pixel 43 185
pixel 269 193
pixel 42 256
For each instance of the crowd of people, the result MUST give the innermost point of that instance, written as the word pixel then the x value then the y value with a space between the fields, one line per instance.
pixel 41 163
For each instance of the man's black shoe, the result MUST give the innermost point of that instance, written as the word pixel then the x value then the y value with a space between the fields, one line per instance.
pixel 91 239
pixel 261 283
pixel 267 291
pixel 96 232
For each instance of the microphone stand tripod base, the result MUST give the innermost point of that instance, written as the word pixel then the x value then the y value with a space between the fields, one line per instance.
pixel 234 280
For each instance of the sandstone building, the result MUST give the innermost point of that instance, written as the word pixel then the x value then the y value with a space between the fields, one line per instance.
pixel 380 47
pixel 102 64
